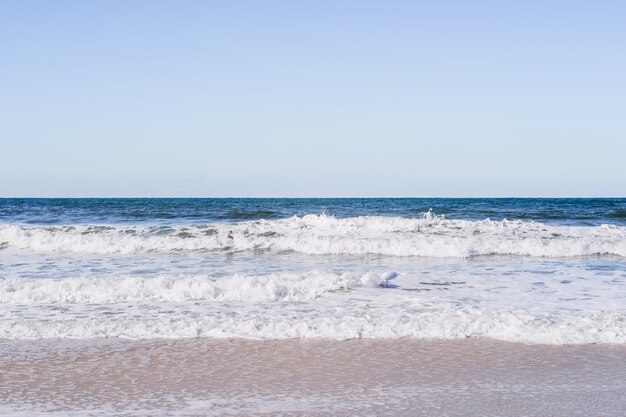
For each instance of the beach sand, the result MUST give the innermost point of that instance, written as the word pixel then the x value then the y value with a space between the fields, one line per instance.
pixel 198 377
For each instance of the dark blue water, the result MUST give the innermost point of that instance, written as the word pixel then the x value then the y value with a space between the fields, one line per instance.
pixel 565 211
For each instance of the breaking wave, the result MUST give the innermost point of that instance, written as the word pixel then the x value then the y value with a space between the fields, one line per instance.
pixel 250 288
pixel 312 304
pixel 430 236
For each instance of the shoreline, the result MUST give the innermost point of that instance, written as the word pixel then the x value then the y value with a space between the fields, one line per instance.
pixel 197 377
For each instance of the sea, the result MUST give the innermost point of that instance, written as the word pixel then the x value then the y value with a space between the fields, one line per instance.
pixel 532 271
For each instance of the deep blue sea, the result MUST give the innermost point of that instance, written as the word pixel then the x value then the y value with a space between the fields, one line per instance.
pixel 522 270
pixel 571 211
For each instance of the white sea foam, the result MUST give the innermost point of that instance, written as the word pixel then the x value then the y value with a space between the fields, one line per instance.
pixel 90 281
pixel 409 320
pixel 430 236
pixel 262 288
pixel 316 304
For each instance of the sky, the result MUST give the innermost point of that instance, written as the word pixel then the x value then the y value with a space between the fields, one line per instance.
pixel 312 99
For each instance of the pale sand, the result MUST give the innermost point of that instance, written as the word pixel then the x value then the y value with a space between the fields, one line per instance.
pixel 310 377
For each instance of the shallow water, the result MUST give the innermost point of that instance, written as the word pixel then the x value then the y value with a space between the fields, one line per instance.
pixel 203 377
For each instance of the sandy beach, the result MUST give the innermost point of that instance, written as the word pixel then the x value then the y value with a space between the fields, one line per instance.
pixel 198 377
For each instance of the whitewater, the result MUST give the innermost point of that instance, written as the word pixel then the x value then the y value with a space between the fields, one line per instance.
pixel 371 271
pixel 429 236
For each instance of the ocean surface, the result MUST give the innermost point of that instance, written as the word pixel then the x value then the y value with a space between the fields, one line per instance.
pixel 522 270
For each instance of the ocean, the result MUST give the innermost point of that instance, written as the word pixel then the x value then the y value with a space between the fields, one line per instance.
pixel 115 307
pixel 549 271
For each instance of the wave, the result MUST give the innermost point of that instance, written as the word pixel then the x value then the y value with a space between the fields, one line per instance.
pixel 430 321
pixel 284 286
pixel 430 236
pixel 312 304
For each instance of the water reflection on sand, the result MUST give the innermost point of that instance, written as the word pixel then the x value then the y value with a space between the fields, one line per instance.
pixel 197 377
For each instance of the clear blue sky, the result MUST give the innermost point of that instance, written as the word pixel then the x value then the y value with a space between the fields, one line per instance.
pixel 337 98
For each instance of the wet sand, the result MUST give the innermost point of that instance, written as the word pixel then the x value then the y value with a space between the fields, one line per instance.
pixel 199 377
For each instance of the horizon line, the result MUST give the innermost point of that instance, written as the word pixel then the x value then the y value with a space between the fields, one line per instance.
pixel 311 198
